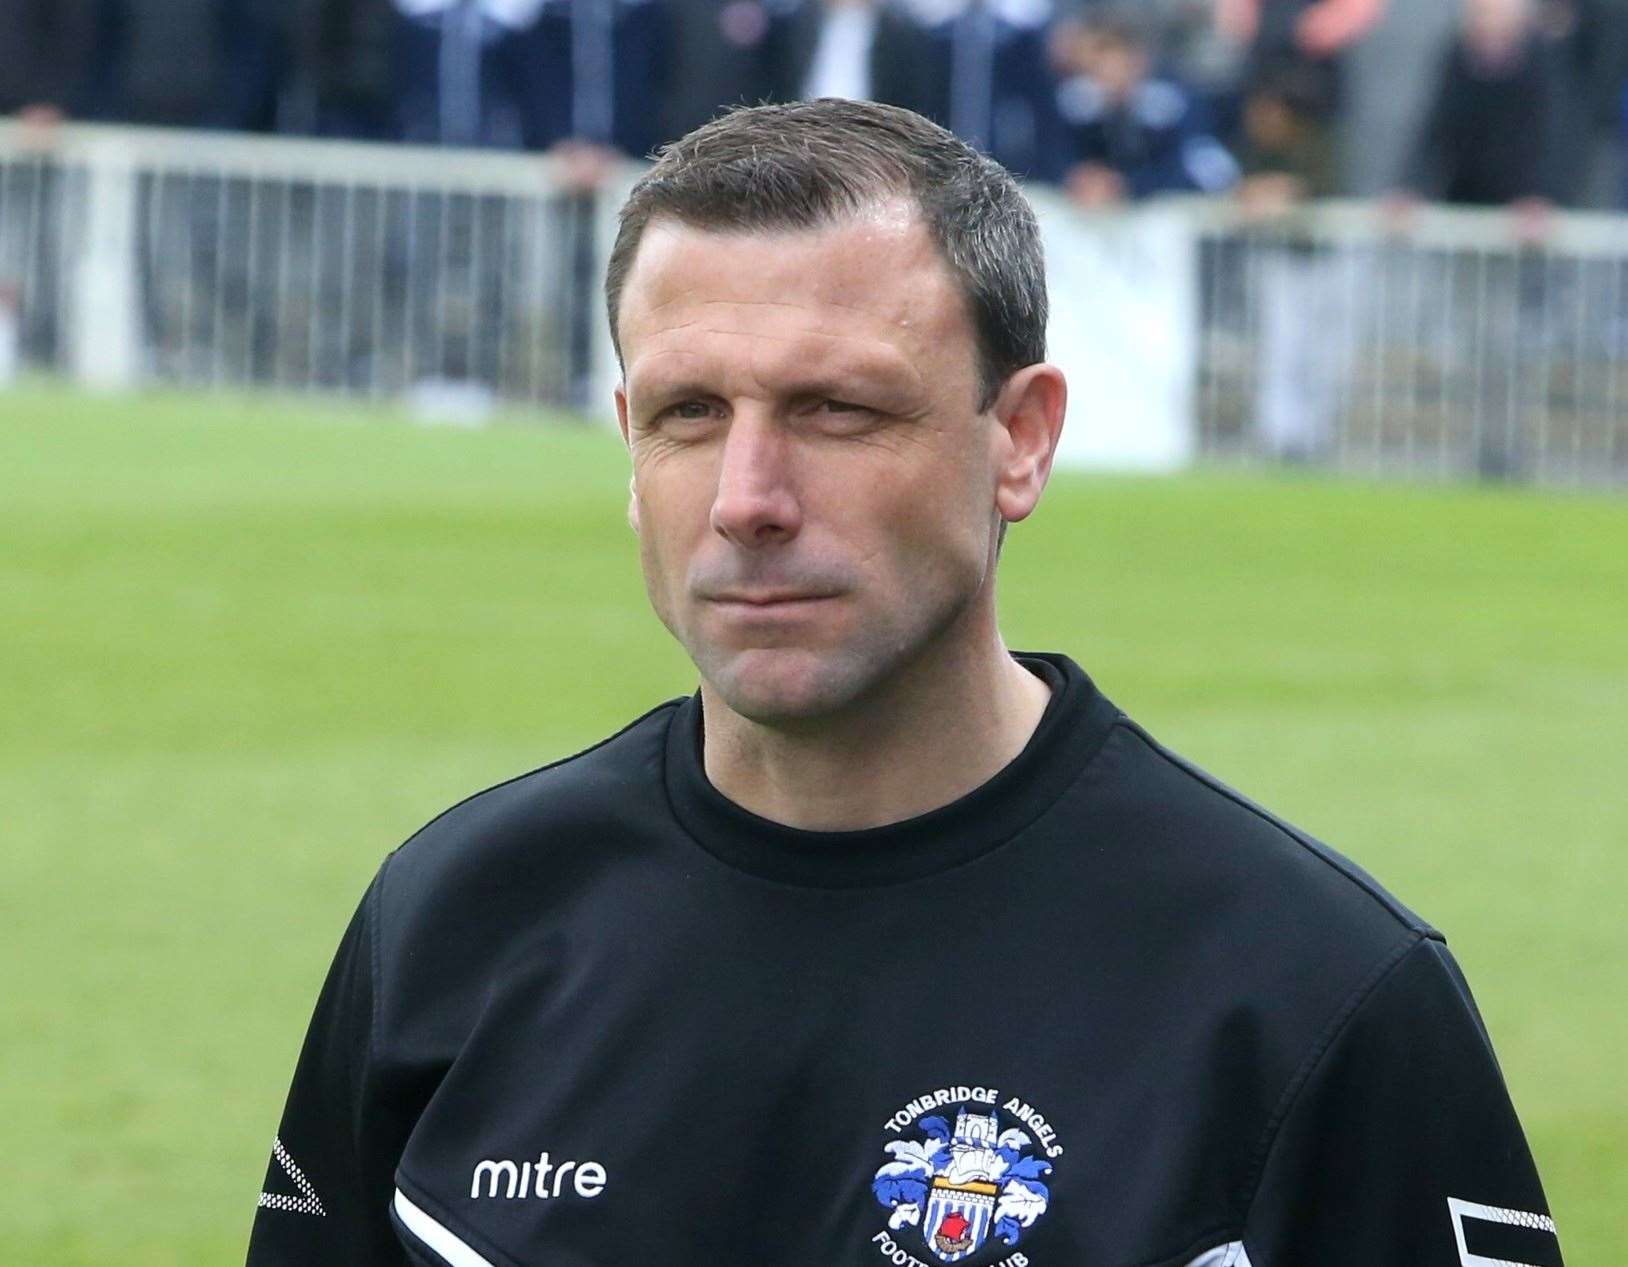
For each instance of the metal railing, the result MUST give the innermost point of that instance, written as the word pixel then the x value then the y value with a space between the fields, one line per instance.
pixel 131 256
pixel 1438 342
pixel 1444 346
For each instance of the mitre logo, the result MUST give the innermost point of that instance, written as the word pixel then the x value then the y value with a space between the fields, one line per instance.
pixel 969 1167
pixel 542 1178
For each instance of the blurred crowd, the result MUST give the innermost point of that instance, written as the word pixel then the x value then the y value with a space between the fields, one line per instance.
pixel 1522 102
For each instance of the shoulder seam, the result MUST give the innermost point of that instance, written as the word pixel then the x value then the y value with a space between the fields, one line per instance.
pixel 1393 907
pixel 375 898
pixel 1342 1017
pixel 593 747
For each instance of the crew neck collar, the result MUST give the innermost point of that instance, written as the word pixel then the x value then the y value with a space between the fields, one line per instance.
pixel 1076 721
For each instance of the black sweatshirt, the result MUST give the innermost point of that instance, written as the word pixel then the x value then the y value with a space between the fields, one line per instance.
pixel 1493 134
pixel 46 48
pixel 1101 1010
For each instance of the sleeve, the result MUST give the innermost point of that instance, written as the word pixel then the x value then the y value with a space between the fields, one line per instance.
pixel 1400 1147
pixel 326 1197
pixel 1190 160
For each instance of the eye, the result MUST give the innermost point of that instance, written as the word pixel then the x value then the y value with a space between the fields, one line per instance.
pixel 843 417
pixel 683 416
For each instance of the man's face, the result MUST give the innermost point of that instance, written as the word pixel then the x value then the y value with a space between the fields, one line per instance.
pixel 814 486
pixel 1118 67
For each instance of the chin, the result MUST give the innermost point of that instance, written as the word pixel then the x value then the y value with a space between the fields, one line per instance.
pixel 786 684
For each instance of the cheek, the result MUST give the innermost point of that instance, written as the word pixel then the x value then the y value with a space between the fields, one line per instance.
pixel 673 519
pixel 663 574
pixel 655 536
pixel 956 497
pixel 932 535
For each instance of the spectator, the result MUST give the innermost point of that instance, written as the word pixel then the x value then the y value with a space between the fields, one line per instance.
pixel 1308 37
pixel 1590 41
pixel 1491 135
pixel 991 81
pixel 187 63
pixel 859 49
pixel 1193 47
pixel 341 78
pixel 590 72
pixel 1131 134
pixel 508 74
pixel 457 71
pixel 1306 315
pixel 719 53
pixel 45 51
pixel 1286 146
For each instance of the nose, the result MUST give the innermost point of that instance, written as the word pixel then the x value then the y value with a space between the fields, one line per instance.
pixel 755 503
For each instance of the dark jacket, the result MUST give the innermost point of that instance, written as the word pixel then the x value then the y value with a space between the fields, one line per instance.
pixel 45 51
pixel 1155 139
pixel 588 69
pixel 991 84
pixel 1275 51
pixel 717 53
pixel 178 63
pixel 606 88
pixel 1492 134
pixel 901 57
pixel 341 69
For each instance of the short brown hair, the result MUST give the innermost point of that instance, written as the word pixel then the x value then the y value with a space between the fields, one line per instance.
pixel 812 163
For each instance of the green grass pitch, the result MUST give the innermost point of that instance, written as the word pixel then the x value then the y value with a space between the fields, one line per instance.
pixel 248 647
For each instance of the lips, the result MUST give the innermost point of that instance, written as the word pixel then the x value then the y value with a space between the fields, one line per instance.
pixel 772 598
pixel 765 610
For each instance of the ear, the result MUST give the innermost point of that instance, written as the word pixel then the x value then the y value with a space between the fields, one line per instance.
pixel 633 479
pixel 1029 416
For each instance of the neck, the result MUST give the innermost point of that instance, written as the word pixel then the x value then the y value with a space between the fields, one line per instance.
pixel 937 730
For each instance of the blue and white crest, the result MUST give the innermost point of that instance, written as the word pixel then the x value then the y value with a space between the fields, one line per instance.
pixel 960 1186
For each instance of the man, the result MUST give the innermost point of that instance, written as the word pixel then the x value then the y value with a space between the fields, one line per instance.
pixel 717 52
pixel 46 48
pixel 864 50
pixel 1311 35
pixel 186 63
pixel 990 81
pixel 1132 134
pixel 531 74
pixel 46 51
pixel 887 946
pixel 1494 134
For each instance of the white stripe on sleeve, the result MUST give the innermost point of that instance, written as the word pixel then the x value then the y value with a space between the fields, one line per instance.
pixel 456 1251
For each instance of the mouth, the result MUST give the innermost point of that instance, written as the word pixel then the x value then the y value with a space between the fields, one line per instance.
pixel 760 605
pixel 768 600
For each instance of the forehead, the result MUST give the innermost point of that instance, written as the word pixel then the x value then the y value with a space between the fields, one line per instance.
pixel 872 288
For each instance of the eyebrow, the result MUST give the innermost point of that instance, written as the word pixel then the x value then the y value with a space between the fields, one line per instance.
pixel 677 389
pixel 861 378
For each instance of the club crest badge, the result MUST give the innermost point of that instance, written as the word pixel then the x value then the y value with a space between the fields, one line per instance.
pixel 969 1171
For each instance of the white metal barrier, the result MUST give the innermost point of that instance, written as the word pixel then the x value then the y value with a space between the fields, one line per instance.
pixel 138 255
pixel 1442 347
